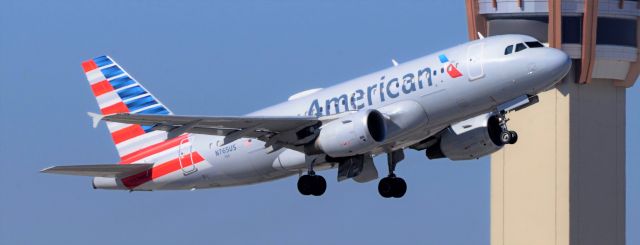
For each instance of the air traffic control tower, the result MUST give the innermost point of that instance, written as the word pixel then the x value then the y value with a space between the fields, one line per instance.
pixel 564 181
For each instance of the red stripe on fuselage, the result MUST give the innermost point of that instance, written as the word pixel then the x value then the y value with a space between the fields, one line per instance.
pixel 115 108
pixel 89 65
pixel 160 170
pixel 127 133
pixel 153 149
pixel 101 88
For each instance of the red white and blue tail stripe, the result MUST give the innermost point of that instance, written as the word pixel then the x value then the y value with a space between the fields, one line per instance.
pixel 117 92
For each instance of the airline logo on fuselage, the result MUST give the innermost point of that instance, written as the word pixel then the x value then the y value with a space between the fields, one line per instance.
pixel 384 89
pixel 452 70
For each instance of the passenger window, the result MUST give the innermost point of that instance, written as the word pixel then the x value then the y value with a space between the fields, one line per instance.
pixel 534 44
pixel 520 47
pixel 508 50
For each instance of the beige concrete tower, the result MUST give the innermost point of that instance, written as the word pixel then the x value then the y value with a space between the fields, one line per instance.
pixel 564 181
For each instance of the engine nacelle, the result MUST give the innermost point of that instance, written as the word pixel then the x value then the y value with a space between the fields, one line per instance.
pixel 469 139
pixel 353 134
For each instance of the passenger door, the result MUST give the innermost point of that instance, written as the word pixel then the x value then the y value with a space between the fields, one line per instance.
pixel 475 68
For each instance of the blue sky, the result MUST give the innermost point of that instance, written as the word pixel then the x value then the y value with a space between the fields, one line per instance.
pixel 231 58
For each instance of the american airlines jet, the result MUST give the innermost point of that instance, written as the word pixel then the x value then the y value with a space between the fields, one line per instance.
pixel 451 104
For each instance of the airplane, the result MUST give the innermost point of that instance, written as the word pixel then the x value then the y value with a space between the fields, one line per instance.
pixel 451 104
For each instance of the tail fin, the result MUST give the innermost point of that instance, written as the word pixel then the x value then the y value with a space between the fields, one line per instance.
pixel 117 92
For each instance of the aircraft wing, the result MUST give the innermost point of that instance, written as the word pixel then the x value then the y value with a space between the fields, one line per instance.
pixel 99 170
pixel 278 132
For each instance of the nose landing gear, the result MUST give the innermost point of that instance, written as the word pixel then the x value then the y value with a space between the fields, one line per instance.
pixel 392 186
pixel 506 136
pixel 509 137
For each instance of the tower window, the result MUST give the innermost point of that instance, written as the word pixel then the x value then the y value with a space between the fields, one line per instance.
pixel 615 31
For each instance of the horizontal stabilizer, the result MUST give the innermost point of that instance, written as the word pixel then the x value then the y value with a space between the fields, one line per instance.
pixel 100 170
pixel 96 118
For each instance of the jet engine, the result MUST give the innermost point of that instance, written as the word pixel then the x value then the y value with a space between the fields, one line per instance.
pixel 470 139
pixel 351 135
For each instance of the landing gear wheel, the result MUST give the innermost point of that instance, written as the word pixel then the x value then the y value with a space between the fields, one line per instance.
pixel 385 187
pixel 392 187
pixel 400 187
pixel 319 185
pixel 305 185
pixel 514 137
pixel 505 137
pixel 312 185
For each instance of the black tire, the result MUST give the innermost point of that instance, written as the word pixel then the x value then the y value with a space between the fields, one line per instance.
pixel 505 137
pixel 305 185
pixel 400 187
pixel 514 137
pixel 319 185
pixel 385 187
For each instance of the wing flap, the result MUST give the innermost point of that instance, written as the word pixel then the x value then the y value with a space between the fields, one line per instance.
pixel 99 170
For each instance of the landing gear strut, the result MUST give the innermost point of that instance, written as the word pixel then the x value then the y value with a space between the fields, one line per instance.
pixel 506 136
pixel 311 184
pixel 392 186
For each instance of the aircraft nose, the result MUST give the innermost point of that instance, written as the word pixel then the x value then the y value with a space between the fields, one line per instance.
pixel 558 63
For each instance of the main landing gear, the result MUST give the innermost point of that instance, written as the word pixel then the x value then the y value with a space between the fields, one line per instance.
pixel 312 184
pixel 392 186
pixel 506 136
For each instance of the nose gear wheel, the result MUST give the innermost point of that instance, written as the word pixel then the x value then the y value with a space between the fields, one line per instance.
pixel 506 136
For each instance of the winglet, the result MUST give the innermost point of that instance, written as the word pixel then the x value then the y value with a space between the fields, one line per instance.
pixel 96 118
pixel 395 63
pixel 480 35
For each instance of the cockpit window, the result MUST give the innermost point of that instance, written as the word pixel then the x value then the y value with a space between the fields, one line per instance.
pixel 534 44
pixel 520 47
pixel 508 50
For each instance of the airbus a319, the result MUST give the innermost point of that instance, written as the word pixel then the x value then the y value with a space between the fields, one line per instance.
pixel 450 104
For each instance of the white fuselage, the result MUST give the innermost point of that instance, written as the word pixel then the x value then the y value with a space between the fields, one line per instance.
pixel 486 78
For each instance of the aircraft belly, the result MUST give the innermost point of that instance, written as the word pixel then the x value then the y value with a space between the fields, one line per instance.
pixel 177 180
pixel 209 176
pixel 243 161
